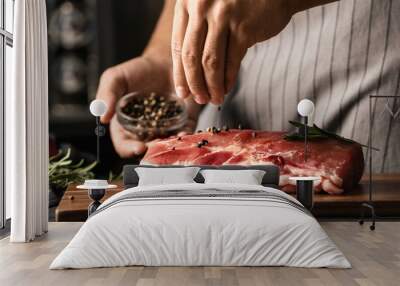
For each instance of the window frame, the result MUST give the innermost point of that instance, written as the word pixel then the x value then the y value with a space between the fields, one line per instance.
pixel 6 39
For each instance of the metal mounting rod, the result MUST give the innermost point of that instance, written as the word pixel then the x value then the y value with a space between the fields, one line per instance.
pixel 98 137
pixel 305 137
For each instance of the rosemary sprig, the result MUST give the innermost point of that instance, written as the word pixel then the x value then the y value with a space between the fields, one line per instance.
pixel 62 171
pixel 115 177
pixel 314 133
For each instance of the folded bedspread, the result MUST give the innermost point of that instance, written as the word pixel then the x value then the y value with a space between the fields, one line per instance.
pixel 201 224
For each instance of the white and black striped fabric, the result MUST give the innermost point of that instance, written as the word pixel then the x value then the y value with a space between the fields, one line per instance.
pixel 336 55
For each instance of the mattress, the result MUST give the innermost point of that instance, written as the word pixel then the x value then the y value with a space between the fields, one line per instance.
pixel 201 225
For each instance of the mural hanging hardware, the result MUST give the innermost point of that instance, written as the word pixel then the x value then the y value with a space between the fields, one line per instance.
pixel 370 203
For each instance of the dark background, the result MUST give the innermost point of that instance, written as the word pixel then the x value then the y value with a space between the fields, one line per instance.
pixel 85 38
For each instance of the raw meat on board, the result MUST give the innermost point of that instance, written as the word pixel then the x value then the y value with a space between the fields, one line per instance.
pixel 339 164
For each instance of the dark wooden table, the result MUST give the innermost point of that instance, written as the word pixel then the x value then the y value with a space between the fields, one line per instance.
pixel 386 196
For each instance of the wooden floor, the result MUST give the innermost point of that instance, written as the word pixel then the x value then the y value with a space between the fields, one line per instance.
pixel 375 257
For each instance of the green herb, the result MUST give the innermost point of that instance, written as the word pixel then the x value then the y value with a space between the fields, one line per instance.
pixel 62 171
pixel 316 133
pixel 114 177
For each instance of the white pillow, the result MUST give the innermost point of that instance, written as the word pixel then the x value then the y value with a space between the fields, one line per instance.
pixel 248 177
pixel 163 176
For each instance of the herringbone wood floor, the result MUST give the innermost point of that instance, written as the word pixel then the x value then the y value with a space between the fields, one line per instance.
pixel 375 257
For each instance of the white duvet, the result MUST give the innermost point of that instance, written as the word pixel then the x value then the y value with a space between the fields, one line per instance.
pixel 188 231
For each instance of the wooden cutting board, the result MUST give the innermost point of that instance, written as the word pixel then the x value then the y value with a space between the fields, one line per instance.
pixel 74 203
pixel 386 196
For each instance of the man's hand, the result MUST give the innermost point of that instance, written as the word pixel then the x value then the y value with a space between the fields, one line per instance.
pixel 138 74
pixel 151 72
pixel 211 37
pixel 142 73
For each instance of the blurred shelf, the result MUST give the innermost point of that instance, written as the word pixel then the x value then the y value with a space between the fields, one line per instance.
pixel 71 120
pixel 70 113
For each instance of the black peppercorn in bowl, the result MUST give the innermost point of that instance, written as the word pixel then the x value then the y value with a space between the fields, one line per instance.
pixel 151 115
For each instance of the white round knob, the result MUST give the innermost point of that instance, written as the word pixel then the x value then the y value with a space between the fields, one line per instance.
pixel 98 107
pixel 305 107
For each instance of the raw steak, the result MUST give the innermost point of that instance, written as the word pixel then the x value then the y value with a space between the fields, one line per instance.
pixel 339 164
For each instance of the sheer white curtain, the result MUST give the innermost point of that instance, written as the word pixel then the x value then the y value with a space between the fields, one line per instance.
pixel 27 124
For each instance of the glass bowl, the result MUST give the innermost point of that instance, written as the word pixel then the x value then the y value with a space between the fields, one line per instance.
pixel 151 115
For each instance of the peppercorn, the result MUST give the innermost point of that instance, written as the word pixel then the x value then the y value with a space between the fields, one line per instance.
pixel 151 111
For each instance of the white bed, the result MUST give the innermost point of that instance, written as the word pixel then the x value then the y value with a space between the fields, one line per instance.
pixel 225 225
